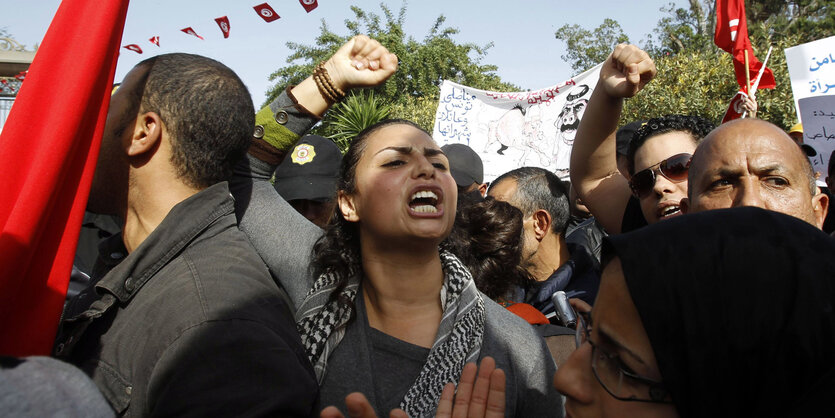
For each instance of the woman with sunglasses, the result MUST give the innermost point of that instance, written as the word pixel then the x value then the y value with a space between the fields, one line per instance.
pixel 658 156
pixel 720 313
pixel 380 308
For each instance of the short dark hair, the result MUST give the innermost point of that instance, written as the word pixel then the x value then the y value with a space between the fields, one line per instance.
pixel 207 110
pixel 538 188
pixel 697 126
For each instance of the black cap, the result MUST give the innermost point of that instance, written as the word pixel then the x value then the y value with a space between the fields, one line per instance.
pixel 464 164
pixel 624 135
pixel 310 171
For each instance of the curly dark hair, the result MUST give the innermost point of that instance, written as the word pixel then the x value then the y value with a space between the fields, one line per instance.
pixel 487 237
pixel 697 126
pixel 338 249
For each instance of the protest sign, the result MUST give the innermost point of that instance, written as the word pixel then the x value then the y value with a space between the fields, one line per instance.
pixel 818 116
pixel 812 69
pixel 511 130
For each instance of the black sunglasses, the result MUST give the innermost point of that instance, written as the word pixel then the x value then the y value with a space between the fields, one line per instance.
pixel 673 168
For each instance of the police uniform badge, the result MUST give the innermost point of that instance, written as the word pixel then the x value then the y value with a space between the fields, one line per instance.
pixel 303 154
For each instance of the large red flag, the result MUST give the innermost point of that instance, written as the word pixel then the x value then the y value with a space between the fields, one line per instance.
pixel 732 36
pixel 48 151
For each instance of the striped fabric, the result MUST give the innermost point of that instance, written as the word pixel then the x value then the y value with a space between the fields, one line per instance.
pixel 322 322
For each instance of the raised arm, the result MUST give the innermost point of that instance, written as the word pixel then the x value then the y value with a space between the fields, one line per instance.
pixel 594 171
pixel 283 237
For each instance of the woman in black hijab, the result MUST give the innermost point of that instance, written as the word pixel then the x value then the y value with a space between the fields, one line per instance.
pixel 722 313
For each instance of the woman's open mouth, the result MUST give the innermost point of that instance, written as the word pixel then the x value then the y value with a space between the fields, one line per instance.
pixel 426 201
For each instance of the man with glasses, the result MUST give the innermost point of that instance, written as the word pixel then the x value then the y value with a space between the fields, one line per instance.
pixel 751 162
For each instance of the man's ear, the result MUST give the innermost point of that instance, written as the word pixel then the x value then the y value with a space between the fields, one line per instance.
pixel 346 207
pixel 684 205
pixel 541 223
pixel 482 188
pixel 147 132
pixel 820 205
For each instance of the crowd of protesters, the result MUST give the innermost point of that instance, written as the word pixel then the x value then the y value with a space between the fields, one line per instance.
pixel 682 271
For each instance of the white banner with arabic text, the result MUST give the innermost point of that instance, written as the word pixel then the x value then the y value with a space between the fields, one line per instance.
pixel 511 130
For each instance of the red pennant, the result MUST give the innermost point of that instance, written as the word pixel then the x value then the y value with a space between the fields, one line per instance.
pixel 309 5
pixel 134 48
pixel 223 22
pixel 154 40
pixel 191 32
pixel 266 12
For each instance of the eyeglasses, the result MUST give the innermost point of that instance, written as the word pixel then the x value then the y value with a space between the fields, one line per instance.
pixel 673 168
pixel 610 372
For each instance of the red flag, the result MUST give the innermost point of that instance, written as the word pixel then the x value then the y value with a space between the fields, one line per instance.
pixel 732 36
pixel 134 48
pixel 191 32
pixel 266 12
pixel 154 40
pixel 735 109
pixel 223 22
pixel 309 5
pixel 47 170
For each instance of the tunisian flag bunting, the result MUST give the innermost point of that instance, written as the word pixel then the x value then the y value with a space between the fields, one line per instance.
pixel 48 151
pixel 309 5
pixel 134 48
pixel 191 32
pixel 732 36
pixel 223 23
pixel 266 12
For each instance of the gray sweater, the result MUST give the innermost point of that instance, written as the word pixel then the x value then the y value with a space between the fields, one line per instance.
pixel 284 239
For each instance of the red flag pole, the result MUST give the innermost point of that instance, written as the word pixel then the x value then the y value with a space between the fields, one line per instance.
pixel 48 151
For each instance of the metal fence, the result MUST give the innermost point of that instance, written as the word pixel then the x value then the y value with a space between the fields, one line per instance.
pixel 5 106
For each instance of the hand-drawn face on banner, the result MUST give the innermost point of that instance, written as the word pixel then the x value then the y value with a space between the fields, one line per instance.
pixel 569 119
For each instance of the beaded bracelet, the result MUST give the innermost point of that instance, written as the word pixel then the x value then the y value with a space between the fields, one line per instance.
pixel 325 84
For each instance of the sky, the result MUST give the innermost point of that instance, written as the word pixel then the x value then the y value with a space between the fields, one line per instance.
pixel 525 50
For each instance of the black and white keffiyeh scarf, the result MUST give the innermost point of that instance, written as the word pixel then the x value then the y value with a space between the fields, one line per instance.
pixel 322 322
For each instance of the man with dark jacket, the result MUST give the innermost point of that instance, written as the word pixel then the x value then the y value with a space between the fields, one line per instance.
pixel 555 264
pixel 183 318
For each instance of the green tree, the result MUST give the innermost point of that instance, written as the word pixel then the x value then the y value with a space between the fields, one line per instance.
pixel 691 28
pixel 703 83
pixel 587 48
pixel 696 77
pixel 808 20
pixel 423 65
pixel 683 29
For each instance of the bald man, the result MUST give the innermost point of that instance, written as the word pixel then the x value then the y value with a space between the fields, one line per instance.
pixel 751 162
